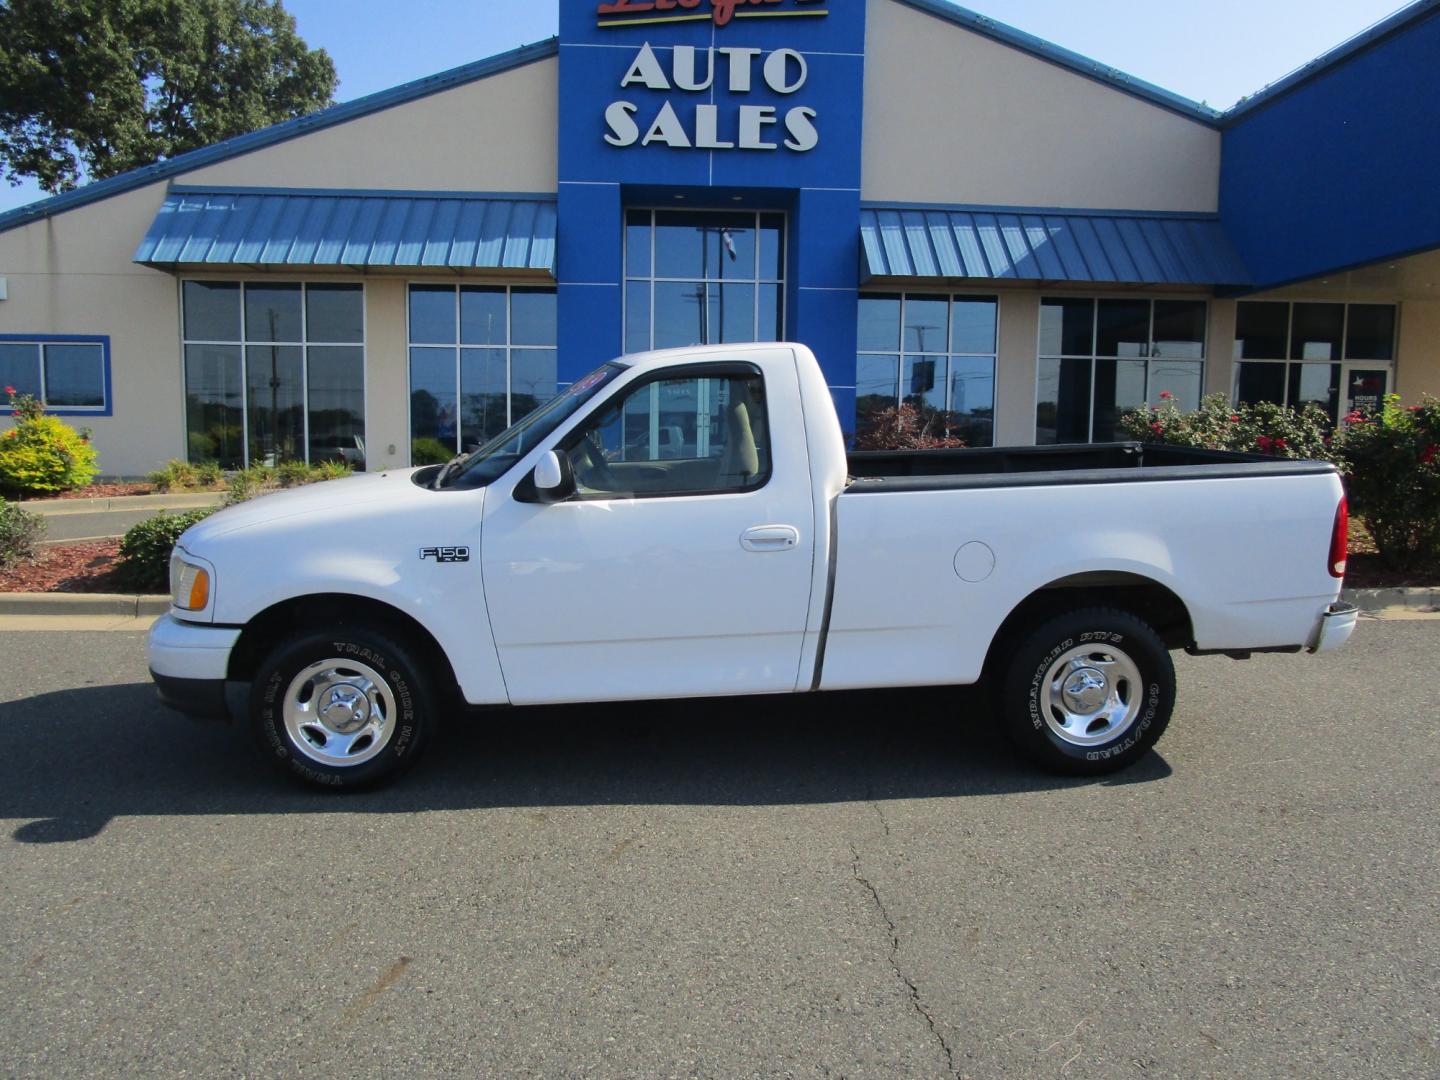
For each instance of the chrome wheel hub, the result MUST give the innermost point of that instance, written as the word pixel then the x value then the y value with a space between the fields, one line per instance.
pixel 1092 695
pixel 339 712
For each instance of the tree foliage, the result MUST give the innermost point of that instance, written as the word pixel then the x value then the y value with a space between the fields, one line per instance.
pixel 92 88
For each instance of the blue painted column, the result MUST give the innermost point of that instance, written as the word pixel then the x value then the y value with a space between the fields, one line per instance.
pixel 824 272
pixel 588 266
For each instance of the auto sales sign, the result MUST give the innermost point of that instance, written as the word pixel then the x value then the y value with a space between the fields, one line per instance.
pixel 680 92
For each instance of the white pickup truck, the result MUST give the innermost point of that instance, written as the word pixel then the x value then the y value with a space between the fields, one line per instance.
pixel 688 523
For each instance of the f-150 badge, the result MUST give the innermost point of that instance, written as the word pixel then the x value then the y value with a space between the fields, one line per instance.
pixel 446 554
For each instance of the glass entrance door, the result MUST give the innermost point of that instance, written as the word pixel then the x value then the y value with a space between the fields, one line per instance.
pixel 699 277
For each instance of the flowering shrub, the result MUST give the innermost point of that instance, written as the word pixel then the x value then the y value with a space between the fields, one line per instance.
pixel 42 453
pixel 1392 464
pixel 906 427
pixel 19 532
pixel 1263 427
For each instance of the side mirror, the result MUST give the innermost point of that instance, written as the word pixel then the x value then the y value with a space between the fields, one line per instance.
pixel 554 477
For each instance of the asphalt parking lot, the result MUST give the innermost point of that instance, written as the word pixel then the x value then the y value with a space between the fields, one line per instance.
pixel 862 886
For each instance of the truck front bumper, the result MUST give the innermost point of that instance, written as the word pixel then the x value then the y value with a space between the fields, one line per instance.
pixel 189 663
pixel 1336 626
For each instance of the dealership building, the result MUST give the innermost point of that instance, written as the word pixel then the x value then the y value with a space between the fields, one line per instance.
pixel 948 211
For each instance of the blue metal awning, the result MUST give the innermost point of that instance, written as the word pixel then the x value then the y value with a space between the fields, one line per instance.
pixel 352 229
pixel 1019 244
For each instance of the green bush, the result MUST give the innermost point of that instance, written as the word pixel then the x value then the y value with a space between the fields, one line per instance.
pixel 177 475
pixel 144 563
pixel 293 474
pixel 42 454
pixel 261 479
pixel 429 452
pixel 1263 428
pixel 180 475
pixel 20 531
pixel 1392 464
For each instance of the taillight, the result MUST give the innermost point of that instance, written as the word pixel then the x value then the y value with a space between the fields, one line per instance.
pixel 1340 539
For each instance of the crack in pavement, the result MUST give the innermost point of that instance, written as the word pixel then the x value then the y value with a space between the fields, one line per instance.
pixel 910 986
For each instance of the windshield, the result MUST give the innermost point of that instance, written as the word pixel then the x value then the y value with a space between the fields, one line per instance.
pixel 494 459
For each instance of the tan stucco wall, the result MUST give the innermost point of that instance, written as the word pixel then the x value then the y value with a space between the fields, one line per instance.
pixel 1015 367
pixel 496 134
pixel 72 274
pixel 953 116
pixel 1417 368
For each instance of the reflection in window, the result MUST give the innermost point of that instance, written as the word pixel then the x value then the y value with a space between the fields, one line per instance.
pixel 481 358
pixel 676 436
pixel 702 278
pixel 66 375
pixel 274 371
pixel 946 371
pixel 1298 353
pixel 1101 358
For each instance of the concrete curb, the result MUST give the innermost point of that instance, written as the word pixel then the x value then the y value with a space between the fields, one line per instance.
pixel 188 500
pixel 1422 599
pixel 83 604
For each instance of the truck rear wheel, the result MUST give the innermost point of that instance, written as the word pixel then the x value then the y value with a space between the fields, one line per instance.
pixel 1088 692
pixel 341 709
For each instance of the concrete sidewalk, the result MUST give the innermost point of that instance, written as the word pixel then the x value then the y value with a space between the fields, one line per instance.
pixel 70 520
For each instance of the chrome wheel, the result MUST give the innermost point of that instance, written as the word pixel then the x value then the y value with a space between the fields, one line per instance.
pixel 339 712
pixel 1092 694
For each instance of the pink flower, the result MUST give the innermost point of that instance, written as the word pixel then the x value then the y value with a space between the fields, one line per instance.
pixel 1354 416
pixel 1157 429
pixel 1234 419
pixel 1429 455
pixel 1265 443
pixel 1281 444
pixel 1166 395
pixel 10 390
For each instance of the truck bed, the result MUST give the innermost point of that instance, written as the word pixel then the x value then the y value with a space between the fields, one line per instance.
pixel 875 471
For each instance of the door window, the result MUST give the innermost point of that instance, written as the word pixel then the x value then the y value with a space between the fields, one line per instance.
pixel 676 436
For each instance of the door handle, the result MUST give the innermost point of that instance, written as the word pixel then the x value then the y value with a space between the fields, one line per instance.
pixel 770 538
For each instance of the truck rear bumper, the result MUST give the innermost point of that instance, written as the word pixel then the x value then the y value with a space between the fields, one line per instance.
pixel 1335 628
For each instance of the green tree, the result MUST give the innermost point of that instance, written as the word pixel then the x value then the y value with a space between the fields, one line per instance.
pixel 92 88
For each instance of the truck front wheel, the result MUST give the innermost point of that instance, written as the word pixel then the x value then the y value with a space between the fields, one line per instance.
pixel 1088 692
pixel 342 708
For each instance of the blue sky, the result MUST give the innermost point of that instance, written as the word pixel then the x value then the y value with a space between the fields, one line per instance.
pixel 1209 50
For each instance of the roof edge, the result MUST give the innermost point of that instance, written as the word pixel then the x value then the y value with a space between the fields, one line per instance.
pixel 1068 211
pixel 1073 61
pixel 279 133
pixel 1346 50
pixel 361 193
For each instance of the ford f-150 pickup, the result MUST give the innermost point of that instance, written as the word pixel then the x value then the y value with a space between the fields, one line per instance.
pixel 688 523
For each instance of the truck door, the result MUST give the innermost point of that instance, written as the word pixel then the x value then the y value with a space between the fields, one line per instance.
pixel 682 565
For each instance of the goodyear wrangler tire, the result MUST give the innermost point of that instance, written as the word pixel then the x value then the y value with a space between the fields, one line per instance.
pixel 1088 692
pixel 341 709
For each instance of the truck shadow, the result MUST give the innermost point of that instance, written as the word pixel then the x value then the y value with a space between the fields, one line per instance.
pixel 76 759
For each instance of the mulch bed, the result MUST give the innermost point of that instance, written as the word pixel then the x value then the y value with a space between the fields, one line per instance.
pixel 70 568
pixel 94 491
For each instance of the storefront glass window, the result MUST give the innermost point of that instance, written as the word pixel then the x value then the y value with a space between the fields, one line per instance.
pixel 1337 356
pixel 66 375
pixel 481 357
pixel 1101 358
pixel 274 371
pixel 935 353
pixel 702 278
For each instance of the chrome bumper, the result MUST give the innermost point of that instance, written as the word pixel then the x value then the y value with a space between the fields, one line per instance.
pixel 1336 626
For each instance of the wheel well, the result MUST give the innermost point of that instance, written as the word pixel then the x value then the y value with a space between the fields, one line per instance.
pixel 329 609
pixel 1142 597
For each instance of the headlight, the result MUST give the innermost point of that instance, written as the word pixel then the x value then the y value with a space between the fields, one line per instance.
pixel 189 584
